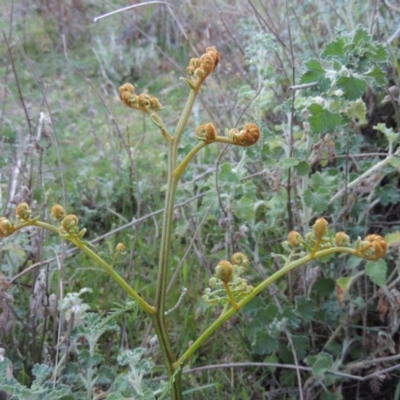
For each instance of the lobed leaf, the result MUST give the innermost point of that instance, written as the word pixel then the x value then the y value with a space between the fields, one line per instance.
pixel 317 200
pixel 323 363
pixel 376 271
pixel 353 88
pixel 305 308
pixel 322 120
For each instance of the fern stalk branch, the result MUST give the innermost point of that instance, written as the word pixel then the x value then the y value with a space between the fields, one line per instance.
pixel 257 290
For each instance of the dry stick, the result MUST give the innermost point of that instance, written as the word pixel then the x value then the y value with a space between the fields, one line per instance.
pixel 229 31
pixel 346 177
pixel 364 317
pixel 388 5
pixel 362 155
pixel 366 363
pixel 3 107
pixel 334 11
pixel 314 51
pixel 391 51
pixel 366 174
pixel 170 7
pixel 289 186
pixel 21 159
pixel 284 366
pixel 260 84
pixel 291 139
pixel 373 17
pixel 394 36
pixel 296 361
pixel 259 18
pixel 289 337
pixel 171 60
pixel 303 86
pixel 244 76
pixel 269 26
pixel 21 97
pixel 61 319
pixel 41 232
pixel 178 303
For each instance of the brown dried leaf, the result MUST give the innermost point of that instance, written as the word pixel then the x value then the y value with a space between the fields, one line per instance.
pixel 376 383
pixel 38 297
pixel 394 307
pixel 340 296
pixel 382 309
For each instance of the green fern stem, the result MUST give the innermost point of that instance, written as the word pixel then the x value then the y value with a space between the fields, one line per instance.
pixel 164 260
pixel 165 247
pixel 257 290
pixel 91 254
pixel 180 127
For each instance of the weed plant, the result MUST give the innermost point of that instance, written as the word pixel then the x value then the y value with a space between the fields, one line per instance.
pixel 301 314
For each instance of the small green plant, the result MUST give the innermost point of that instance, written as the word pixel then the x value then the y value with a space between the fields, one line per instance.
pixel 227 287
pixel 83 378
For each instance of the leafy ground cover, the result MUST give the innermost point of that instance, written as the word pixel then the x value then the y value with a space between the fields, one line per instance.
pixel 319 78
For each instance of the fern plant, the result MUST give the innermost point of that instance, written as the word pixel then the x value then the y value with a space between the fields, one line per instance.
pixel 227 288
